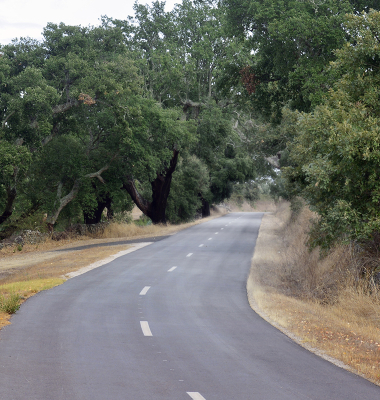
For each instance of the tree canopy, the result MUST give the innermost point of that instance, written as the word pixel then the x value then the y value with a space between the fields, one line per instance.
pixel 173 111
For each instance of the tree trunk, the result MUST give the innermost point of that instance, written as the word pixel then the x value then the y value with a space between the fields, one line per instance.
pixel 11 196
pixel 155 209
pixel 95 216
pixel 63 201
pixel 14 226
pixel 205 208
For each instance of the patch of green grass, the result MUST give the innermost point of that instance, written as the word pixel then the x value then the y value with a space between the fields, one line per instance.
pixel 143 221
pixel 10 304
pixel 12 294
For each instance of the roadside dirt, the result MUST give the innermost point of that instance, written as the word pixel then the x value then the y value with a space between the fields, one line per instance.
pixel 33 263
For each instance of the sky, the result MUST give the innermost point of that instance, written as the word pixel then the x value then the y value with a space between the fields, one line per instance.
pixel 21 18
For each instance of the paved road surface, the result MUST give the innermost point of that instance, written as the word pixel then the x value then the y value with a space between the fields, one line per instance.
pixel 168 322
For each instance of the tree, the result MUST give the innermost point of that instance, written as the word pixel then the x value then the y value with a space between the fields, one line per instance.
pixel 291 44
pixel 336 155
pixel 159 136
pixel 24 95
pixel 71 98
pixel 14 160
pixel 190 185
pixel 180 55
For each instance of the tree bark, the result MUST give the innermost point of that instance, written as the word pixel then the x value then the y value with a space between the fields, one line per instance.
pixel 95 216
pixel 12 228
pixel 63 201
pixel 205 208
pixel 155 209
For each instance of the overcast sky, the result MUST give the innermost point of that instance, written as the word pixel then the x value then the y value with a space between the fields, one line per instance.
pixel 21 18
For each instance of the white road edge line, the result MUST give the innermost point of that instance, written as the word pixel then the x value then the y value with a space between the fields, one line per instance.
pixel 201 245
pixel 189 255
pixel 195 396
pixel 144 291
pixel 172 269
pixel 145 328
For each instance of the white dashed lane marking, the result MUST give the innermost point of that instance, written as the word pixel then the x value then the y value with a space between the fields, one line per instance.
pixel 209 238
pixel 145 328
pixel 216 233
pixel 144 291
pixel 189 255
pixel 201 245
pixel 195 396
pixel 172 269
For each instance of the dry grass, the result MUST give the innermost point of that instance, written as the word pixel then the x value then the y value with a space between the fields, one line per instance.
pixel 262 205
pixel 23 290
pixel 321 301
pixel 128 231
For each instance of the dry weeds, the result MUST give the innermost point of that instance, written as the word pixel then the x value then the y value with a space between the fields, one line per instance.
pixel 319 300
pixel 262 205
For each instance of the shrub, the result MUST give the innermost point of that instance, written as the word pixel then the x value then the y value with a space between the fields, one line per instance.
pixel 10 304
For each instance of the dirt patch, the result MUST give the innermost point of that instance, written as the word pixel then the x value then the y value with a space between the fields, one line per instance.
pixel 335 331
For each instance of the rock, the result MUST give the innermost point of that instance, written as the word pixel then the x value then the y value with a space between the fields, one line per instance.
pixel 19 240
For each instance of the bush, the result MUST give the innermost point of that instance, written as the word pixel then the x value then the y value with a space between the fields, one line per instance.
pixel 10 304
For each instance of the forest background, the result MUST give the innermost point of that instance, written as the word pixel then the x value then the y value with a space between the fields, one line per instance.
pixel 176 111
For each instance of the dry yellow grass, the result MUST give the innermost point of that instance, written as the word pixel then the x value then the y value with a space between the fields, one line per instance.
pixel 317 300
pixel 262 205
pixel 25 289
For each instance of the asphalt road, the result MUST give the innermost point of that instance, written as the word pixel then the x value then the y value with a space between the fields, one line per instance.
pixel 170 321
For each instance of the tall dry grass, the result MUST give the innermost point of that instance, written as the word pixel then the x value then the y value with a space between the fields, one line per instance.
pixel 124 230
pixel 330 302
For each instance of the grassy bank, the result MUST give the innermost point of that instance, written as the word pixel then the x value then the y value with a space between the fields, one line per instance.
pixel 321 301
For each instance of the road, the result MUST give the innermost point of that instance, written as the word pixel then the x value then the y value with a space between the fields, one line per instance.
pixel 170 321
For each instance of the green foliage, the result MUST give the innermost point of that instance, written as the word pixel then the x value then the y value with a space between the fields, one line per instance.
pixel 336 155
pixel 143 221
pixel 10 303
pixel 89 109
pixel 291 44
pixel 248 191
pixel 190 184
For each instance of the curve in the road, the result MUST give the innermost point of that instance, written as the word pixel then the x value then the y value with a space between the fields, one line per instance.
pixel 170 321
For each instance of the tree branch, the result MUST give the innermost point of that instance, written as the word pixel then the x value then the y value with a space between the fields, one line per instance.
pixel 6 119
pixel 98 174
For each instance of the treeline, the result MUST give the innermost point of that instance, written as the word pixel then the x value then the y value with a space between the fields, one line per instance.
pixel 315 76
pixel 126 113
pixel 172 110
